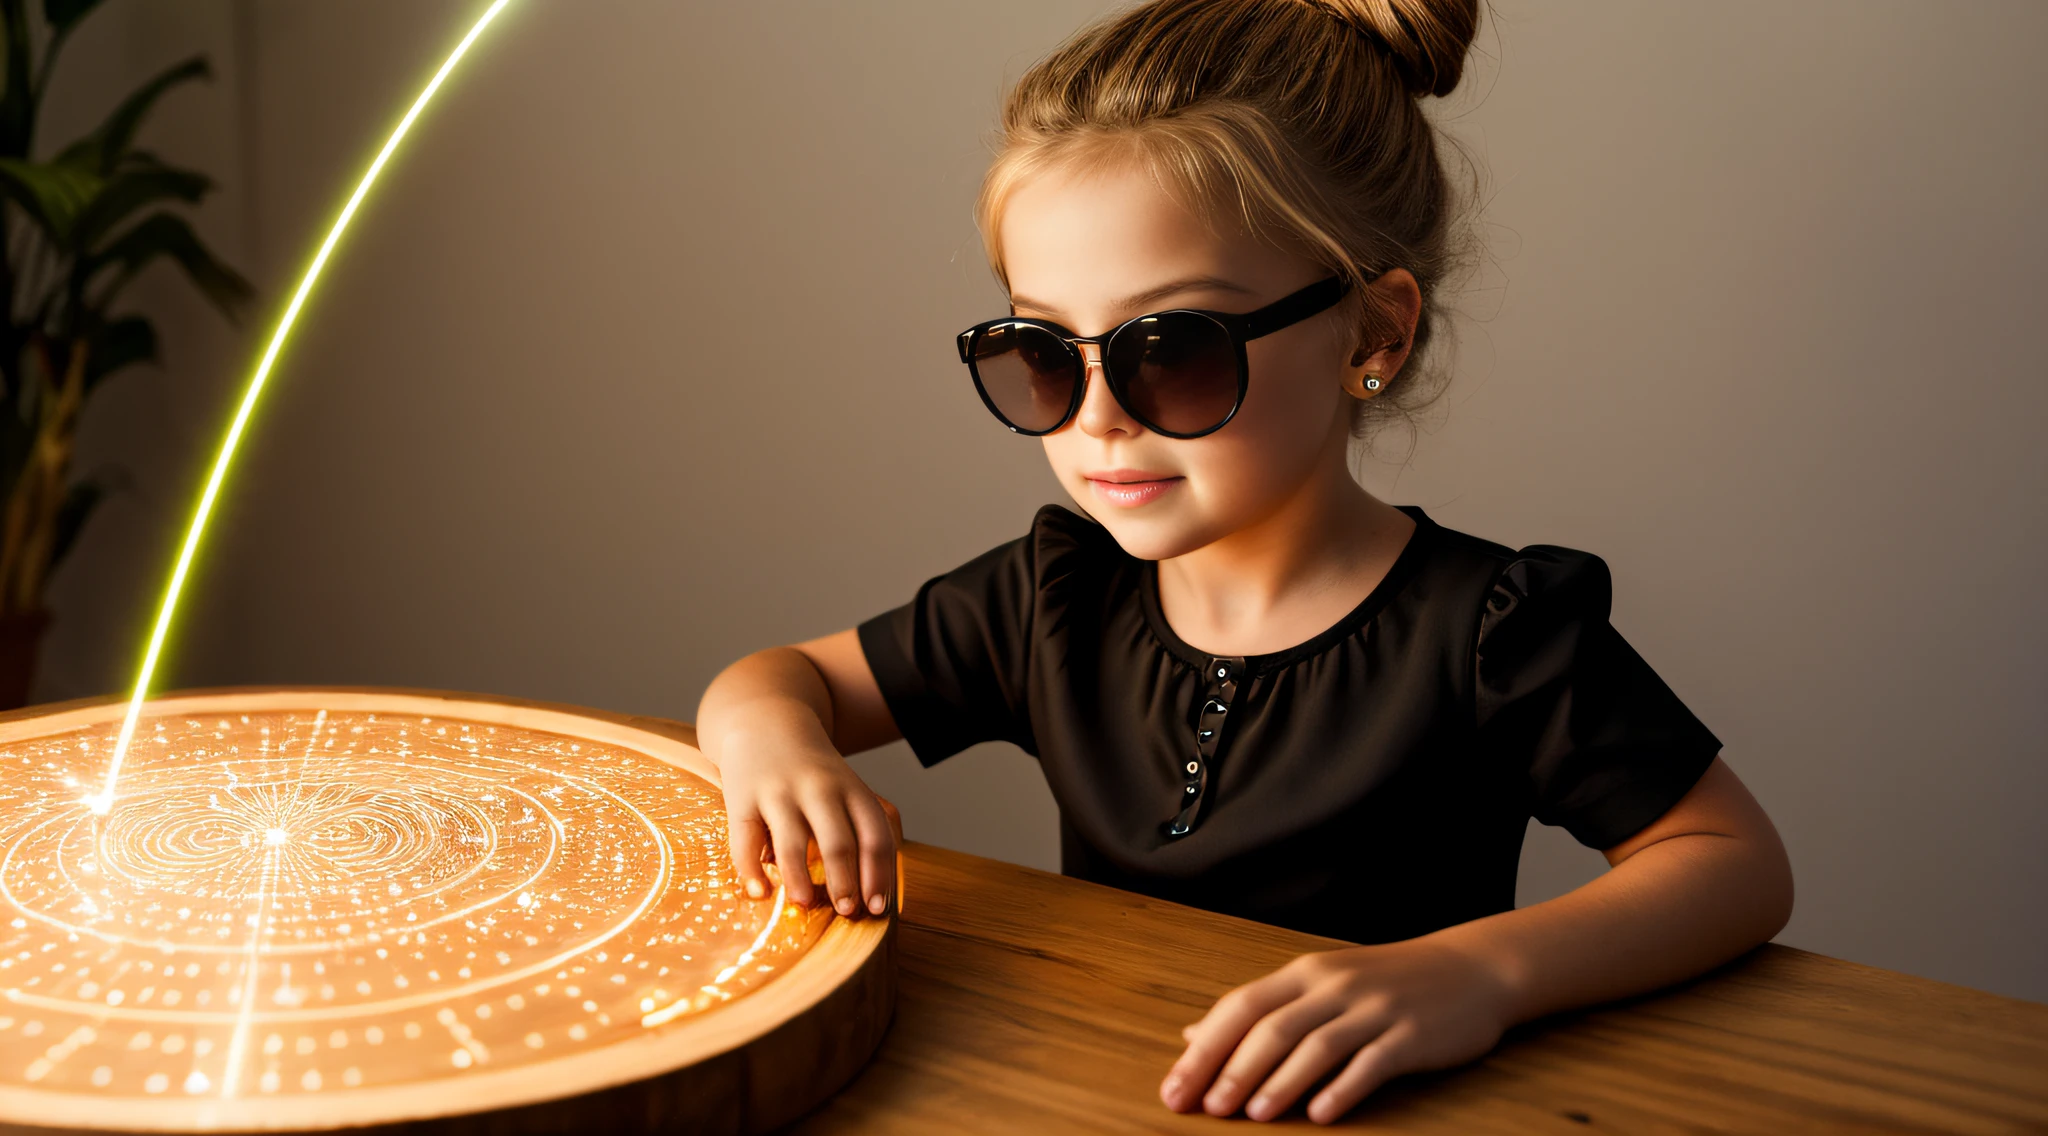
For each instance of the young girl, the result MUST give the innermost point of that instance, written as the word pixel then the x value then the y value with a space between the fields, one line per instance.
pixel 1252 686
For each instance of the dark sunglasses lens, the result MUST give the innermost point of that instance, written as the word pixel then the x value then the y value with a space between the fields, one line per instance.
pixel 1178 371
pixel 1028 373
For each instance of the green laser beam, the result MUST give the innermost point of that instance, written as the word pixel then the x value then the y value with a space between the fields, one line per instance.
pixel 103 801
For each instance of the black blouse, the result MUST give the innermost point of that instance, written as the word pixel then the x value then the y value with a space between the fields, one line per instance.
pixel 1371 784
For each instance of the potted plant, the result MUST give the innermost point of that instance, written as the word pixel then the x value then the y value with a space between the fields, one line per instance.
pixel 79 226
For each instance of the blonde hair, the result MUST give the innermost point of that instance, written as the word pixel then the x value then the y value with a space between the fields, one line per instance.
pixel 1299 117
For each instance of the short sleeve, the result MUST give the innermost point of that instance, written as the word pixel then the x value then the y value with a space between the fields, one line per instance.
pixel 952 663
pixel 1607 746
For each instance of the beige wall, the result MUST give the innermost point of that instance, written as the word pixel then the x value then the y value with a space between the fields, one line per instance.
pixel 642 359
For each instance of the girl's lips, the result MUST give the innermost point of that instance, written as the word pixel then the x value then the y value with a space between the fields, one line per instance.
pixel 1132 493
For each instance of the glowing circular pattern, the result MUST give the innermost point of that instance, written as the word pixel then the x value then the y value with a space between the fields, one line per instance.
pixel 308 895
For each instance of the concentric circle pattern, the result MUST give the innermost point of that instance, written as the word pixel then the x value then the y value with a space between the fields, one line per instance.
pixel 304 901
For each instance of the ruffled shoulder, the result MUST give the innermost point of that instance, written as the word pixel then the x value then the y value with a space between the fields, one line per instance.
pixel 1535 599
pixel 1605 744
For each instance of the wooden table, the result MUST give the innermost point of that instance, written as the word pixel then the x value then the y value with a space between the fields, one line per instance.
pixel 1033 1003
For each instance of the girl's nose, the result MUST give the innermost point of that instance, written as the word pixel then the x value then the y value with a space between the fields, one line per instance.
pixel 1100 414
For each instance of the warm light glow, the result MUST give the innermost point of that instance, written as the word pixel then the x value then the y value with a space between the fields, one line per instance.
pixel 304 901
pixel 167 611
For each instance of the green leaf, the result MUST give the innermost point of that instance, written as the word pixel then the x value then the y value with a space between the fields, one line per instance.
pixel 51 193
pixel 165 235
pixel 130 190
pixel 101 150
pixel 118 343
pixel 61 14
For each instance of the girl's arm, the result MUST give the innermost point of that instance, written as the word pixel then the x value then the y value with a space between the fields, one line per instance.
pixel 1703 883
pixel 775 724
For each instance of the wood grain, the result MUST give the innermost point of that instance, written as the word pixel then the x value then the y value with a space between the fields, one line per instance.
pixel 1033 1003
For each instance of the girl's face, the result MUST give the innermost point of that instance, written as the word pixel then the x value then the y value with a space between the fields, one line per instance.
pixel 1091 250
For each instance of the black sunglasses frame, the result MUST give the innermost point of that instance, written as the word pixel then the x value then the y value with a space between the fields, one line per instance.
pixel 1242 327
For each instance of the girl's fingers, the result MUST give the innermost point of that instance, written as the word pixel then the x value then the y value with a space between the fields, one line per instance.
pixel 1211 1040
pixel 1387 1056
pixel 1325 1048
pixel 790 836
pixel 877 853
pixel 749 835
pixel 839 850
pixel 895 818
pixel 1264 1046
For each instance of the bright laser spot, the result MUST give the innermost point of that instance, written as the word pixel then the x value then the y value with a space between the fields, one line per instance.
pixel 103 802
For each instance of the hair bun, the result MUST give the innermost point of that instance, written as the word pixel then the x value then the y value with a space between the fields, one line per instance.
pixel 1427 38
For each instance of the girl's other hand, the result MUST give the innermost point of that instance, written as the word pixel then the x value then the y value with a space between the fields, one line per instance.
pixel 781 795
pixel 1372 1012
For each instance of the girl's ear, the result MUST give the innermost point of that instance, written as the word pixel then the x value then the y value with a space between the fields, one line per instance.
pixel 1393 305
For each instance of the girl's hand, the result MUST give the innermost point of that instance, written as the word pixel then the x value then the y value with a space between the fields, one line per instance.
pixel 783 792
pixel 1373 1012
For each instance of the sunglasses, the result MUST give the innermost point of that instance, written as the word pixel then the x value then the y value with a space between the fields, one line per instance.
pixel 1181 373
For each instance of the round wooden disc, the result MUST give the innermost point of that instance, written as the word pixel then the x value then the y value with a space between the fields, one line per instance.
pixel 318 909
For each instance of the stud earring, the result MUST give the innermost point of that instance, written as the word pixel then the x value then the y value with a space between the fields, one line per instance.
pixel 1372 382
